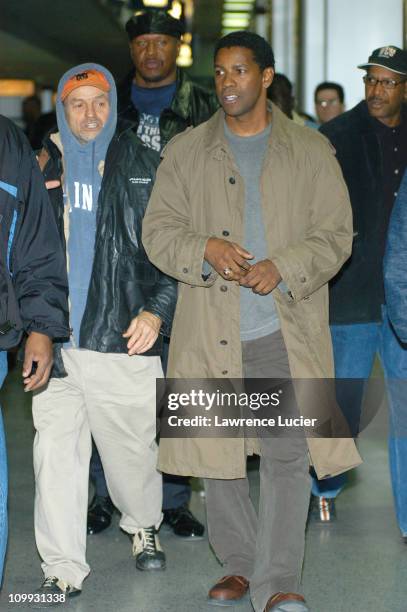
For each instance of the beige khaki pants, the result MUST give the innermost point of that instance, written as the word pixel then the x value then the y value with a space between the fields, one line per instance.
pixel 111 397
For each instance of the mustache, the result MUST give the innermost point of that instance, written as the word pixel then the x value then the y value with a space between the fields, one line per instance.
pixel 375 99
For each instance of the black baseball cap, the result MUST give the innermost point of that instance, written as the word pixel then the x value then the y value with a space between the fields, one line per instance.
pixel 154 22
pixel 391 57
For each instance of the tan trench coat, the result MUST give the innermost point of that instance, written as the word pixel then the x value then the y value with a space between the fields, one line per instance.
pixel 199 193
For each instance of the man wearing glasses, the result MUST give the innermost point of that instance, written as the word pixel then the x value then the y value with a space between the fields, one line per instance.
pixel 329 101
pixel 371 145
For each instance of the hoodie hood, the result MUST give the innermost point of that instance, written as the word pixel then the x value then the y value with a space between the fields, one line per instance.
pixel 82 184
pixel 102 140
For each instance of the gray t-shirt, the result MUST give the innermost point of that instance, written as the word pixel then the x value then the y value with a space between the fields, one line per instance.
pixel 258 315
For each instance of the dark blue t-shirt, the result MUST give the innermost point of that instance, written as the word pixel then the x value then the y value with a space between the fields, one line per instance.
pixel 152 100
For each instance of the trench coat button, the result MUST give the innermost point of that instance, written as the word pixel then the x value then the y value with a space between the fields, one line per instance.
pixel 303 279
pixel 224 372
pixel 232 180
pixel 225 233
pixel 223 288
pixel 185 270
pixel 223 342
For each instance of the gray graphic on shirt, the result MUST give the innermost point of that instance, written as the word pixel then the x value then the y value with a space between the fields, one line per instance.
pixel 149 131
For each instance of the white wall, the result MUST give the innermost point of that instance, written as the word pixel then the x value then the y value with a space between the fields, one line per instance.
pixel 339 34
pixel 283 36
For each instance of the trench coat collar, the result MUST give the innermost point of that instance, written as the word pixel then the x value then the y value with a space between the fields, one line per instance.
pixel 216 142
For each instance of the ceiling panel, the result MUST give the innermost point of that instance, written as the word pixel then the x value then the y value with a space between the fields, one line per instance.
pixel 41 39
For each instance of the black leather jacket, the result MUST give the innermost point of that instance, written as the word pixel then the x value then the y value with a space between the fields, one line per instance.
pixel 191 105
pixel 123 281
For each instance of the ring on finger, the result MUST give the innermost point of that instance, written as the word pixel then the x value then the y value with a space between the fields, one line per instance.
pixel 227 271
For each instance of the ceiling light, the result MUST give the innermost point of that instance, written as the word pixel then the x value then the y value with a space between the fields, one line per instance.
pixel 155 3
pixel 230 21
pixel 16 88
pixel 238 6
pixel 184 58
pixel 176 9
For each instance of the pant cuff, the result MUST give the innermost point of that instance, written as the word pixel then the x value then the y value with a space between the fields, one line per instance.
pixel 63 573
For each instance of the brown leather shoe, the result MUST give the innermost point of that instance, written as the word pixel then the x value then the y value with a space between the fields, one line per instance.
pixel 281 598
pixel 228 589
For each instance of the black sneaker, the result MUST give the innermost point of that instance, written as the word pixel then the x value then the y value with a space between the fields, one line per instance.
pixel 183 523
pixel 53 592
pixel 100 514
pixel 147 550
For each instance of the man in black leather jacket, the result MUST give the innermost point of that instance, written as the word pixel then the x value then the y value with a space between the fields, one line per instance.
pixel 161 101
pixel 156 88
pixel 120 305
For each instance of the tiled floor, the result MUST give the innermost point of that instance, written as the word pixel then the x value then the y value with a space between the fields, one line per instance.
pixel 358 564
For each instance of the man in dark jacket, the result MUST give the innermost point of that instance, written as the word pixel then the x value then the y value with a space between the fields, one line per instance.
pixel 371 146
pixel 119 305
pixel 159 97
pixel 33 282
pixel 161 101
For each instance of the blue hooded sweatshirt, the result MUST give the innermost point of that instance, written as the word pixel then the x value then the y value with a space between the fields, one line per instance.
pixel 82 181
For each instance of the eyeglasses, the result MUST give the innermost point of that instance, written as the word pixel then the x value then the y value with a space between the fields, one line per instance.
pixel 326 103
pixel 385 83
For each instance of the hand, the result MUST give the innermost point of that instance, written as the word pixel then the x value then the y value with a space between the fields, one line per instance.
pixel 38 349
pixel 224 255
pixel 52 184
pixel 48 184
pixel 262 278
pixel 143 332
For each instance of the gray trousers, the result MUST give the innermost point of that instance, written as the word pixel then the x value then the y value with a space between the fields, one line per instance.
pixel 267 548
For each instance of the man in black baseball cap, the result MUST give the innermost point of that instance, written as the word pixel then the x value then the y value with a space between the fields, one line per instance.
pixel 371 146
pixel 392 58
pixel 385 84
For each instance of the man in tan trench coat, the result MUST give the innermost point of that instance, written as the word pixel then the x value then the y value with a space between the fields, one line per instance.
pixel 249 210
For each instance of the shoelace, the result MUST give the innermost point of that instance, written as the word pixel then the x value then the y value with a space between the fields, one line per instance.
pixel 145 540
pixel 50 581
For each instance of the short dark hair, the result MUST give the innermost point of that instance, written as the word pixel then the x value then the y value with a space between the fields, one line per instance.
pixel 330 85
pixel 262 52
pixel 282 84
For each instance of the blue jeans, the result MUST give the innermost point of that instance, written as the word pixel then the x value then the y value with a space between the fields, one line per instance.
pixel 3 474
pixel 355 347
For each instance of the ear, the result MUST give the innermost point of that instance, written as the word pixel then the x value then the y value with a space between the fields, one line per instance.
pixel 268 76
